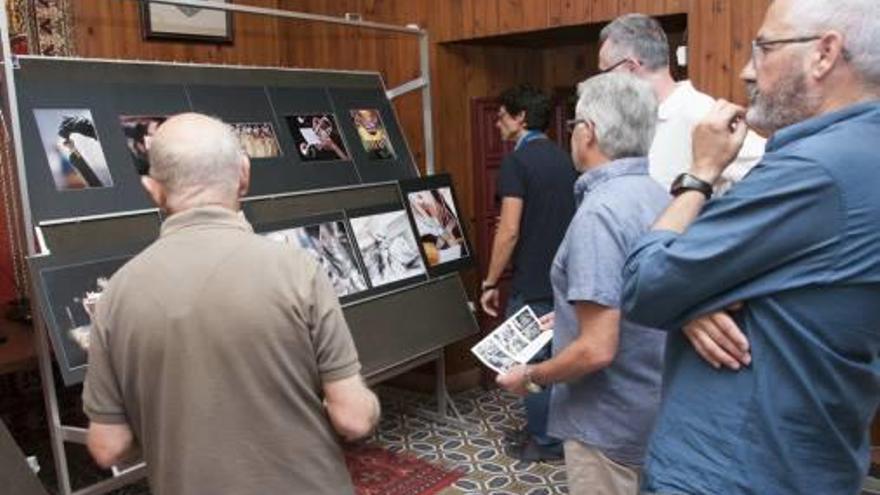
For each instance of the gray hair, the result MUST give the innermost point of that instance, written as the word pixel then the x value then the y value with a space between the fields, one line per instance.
pixel 856 20
pixel 638 36
pixel 196 157
pixel 623 110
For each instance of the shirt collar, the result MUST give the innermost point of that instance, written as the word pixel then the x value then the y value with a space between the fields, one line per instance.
pixel 205 216
pixel 815 125
pixel 591 179
pixel 528 137
pixel 675 100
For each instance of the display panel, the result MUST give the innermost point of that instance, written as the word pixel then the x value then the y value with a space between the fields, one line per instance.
pixel 372 133
pixel 69 295
pixel 73 149
pixel 435 217
pixel 330 244
pixel 317 137
pixel 387 246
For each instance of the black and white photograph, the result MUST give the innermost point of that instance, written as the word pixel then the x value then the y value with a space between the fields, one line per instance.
pixel 528 323
pixel 372 134
pixel 519 337
pixel 331 246
pixel 438 226
pixel 388 247
pixel 493 356
pixel 72 293
pixel 139 131
pixel 317 137
pixel 258 139
pixel 70 140
pixel 508 337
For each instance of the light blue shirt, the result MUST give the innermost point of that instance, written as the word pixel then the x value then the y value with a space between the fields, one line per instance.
pixel 798 241
pixel 612 409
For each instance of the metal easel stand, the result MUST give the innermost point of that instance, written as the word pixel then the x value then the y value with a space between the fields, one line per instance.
pixel 60 434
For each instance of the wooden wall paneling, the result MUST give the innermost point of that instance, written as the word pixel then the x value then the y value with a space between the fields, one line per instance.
pixel 747 17
pixel 511 15
pixel 490 13
pixel 535 14
pixel 445 19
pixel 709 28
pixel 677 6
pixel 576 11
pixel 604 10
pixel 648 7
pixel 554 12
pixel 472 24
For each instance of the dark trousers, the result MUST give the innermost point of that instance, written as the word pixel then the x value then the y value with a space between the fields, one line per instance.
pixel 537 405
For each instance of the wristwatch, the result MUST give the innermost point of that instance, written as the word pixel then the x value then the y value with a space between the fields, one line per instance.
pixel 531 386
pixel 687 182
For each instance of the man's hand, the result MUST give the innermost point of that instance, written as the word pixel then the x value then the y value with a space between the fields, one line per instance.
pixel 718 340
pixel 547 321
pixel 514 381
pixel 489 301
pixel 717 139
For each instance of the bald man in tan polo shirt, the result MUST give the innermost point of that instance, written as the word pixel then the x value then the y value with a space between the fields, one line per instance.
pixel 223 356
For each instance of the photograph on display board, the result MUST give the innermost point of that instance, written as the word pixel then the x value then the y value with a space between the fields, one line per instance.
pixel 372 134
pixel 388 247
pixel 73 149
pixel 258 139
pixel 317 137
pixel 139 131
pixel 330 244
pixel 72 293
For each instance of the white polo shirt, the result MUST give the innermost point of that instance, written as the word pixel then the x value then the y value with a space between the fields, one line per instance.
pixel 671 153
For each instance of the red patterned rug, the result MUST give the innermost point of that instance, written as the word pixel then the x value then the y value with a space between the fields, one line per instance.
pixel 376 471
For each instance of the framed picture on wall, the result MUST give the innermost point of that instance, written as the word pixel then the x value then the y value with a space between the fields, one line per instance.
pixel 179 22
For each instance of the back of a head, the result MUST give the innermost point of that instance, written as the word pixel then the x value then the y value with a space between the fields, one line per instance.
pixel 640 37
pixel 623 110
pixel 532 101
pixel 856 20
pixel 197 159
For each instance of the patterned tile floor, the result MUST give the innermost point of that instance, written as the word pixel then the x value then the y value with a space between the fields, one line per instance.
pixel 480 454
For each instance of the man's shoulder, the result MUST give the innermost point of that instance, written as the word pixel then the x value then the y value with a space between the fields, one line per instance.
pixel 687 102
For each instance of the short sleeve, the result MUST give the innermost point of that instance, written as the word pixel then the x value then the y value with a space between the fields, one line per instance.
pixel 333 346
pixel 511 179
pixel 102 396
pixel 595 258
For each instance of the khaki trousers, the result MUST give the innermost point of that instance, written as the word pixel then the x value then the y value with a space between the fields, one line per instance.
pixel 591 473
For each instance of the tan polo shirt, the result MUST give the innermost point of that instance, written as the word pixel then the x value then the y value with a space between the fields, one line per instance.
pixel 213 344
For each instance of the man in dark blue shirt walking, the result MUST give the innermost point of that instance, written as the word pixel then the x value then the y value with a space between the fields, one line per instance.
pixel 797 242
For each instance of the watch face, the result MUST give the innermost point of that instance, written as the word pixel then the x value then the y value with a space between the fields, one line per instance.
pixel 534 388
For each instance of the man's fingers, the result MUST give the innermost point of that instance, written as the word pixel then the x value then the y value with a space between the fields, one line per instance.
pixel 725 324
pixel 692 335
pixel 720 338
pixel 717 353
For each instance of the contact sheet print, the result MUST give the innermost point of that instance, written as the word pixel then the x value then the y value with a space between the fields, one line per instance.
pixel 515 341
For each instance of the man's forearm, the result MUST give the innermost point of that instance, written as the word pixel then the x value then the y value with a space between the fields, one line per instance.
pixel 578 359
pixel 681 212
pixel 502 251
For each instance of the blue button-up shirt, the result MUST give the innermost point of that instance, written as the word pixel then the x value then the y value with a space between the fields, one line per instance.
pixel 614 408
pixel 799 242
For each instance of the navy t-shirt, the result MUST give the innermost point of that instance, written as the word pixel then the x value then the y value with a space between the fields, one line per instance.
pixel 542 175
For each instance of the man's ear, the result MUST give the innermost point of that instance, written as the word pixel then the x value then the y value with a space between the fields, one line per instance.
pixel 829 52
pixel 244 176
pixel 155 190
pixel 520 118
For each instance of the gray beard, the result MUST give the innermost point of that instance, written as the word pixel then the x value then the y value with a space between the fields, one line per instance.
pixel 788 104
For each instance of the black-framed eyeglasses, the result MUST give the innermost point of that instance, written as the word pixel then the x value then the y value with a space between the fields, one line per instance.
pixel 615 65
pixel 759 46
pixel 572 123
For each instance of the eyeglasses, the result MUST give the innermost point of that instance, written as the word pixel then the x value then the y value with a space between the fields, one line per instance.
pixel 615 65
pixel 759 46
pixel 570 125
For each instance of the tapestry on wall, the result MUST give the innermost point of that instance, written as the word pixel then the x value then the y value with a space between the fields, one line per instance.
pixel 41 27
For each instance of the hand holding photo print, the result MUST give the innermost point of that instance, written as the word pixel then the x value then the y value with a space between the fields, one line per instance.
pixel 73 149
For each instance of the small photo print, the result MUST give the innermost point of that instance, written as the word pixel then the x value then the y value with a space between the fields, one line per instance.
pixel 139 131
pixel 372 134
pixel 494 356
pixel 388 247
pixel 258 139
pixel 438 226
pixel 330 244
pixel 73 149
pixel 519 338
pixel 508 338
pixel 317 137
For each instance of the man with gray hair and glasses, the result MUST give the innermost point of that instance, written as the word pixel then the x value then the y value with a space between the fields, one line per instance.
pixel 794 250
pixel 223 355
pixel 605 370
pixel 636 43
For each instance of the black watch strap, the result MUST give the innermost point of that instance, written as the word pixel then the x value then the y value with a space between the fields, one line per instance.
pixel 687 182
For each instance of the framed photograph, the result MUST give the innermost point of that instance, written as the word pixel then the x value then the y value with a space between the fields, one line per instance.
pixel 73 149
pixel 258 139
pixel 329 241
pixel 387 246
pixel 436 220
pixel 371 131
pixel 317 137
pixel 179 22
pixel 138 131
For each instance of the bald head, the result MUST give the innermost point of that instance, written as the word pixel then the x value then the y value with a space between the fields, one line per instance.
pixel 196 160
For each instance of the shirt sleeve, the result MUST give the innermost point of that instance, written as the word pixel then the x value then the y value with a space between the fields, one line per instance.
pixel 333 345
pixel 777 230
pixel 595 257
pixel 102 396
pixel 511 179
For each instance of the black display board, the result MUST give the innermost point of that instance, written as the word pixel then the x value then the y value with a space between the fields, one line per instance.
pixel 79 156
